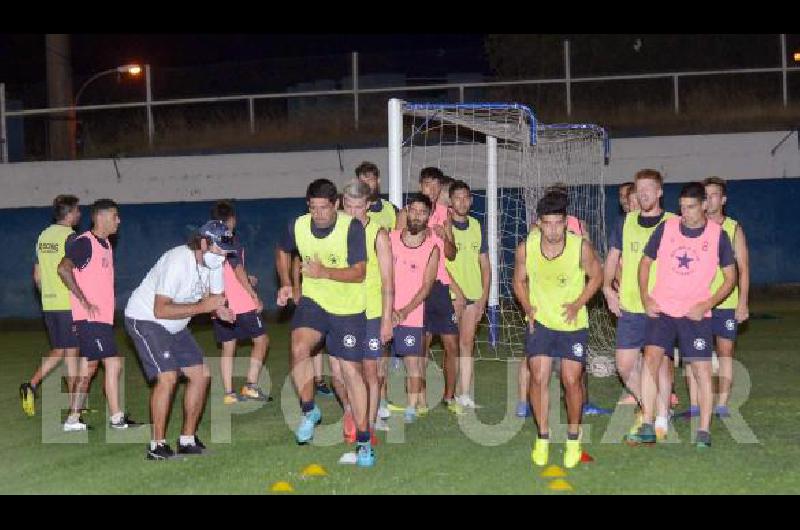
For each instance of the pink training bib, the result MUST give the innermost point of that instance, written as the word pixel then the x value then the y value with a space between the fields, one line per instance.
pixel 96 280
pixel 686 268
pixel 409 271
pixel 438 217
pixel 574 225
pixel 239 300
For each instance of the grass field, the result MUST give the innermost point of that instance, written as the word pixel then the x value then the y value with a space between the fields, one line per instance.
pixel 437 456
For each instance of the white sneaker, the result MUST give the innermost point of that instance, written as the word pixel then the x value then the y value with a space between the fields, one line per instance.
pixel 74 426
pixel 381 425
pixel 467 402
pixel 348 458
pixel 384 413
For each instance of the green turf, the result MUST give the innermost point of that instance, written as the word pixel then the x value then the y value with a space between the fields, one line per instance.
pixel 436 456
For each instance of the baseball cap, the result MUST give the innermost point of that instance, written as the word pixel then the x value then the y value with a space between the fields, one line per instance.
pixel 218 233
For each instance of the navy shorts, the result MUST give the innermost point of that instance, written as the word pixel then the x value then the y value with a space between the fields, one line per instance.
pixel 248 325
pixel 572 345
pixel 159 350
pixel 631 331
pixel 407 340
pixel 440 317
pixel 694 338
pixel 372 339
pixel 343 334
pixel 96 340
pixel 723 323
pixel 60 329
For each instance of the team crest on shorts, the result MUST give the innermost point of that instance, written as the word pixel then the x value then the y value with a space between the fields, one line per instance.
pixel 409 340
pixel 454 318
pixel 349 341
pixel 577 349
pixel 699 344
pixel 374 344
pixel 166 354
pixel 730 324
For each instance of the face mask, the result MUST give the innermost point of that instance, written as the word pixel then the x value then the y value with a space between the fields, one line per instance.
pixel 213 261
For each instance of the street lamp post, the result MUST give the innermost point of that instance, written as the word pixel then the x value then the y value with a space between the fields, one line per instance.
pixel 130 69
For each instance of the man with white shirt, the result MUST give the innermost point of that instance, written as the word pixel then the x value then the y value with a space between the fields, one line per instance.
pixel 186 281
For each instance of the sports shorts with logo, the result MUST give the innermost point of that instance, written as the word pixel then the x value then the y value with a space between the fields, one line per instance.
pixel 572 345
pixel 343 334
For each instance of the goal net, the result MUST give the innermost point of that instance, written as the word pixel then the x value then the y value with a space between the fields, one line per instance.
pixel 509 160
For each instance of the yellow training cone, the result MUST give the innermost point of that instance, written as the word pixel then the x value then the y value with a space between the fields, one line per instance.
pixel 314 470
pixel 560 484
pixel 282 486
pixel 553 471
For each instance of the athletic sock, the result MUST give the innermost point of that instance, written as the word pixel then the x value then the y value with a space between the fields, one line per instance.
pixel 116 418
pixel 74 417
pixel 155 443
pixel 307 406
pixel 187 440
pixel 363 437
pixel 573 436
pixel 662 422
pixel 544 436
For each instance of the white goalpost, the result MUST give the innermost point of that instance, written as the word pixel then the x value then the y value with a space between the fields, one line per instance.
pixel 509 159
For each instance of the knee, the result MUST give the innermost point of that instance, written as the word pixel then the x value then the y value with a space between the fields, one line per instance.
pixel 572 381
pixel 168 379
pixel 538 378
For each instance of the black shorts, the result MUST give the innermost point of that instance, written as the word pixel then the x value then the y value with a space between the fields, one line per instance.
pixel 159 350
pixel 572 345
pixel 694 338
pixel 248 325
pixel 96 340
pixel 440 317
pixel 723 323
pixel 60 329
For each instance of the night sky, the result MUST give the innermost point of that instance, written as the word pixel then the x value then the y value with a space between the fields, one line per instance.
pixel 22 57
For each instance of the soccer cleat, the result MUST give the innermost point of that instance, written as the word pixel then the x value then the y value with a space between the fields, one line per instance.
pixel 197 448
pixel 692 412
pixel 590 409
pixel 646 435
pixel 124 423
pixel 627 400
pixel 467 402
pixel 661 434
pixel 232 398
pixel 365 456
pixel 305 431
pixel 572 454
pixel 161 452
pixel 523 410
pixel 638 420
pixel 383 412
pixel 74 426
pixel 455 407
pixel 409 415
pixel 26 395
pixel 253 393
pixel 703 440
pixel 323 389
pixel 395 408
pixel 540 452
pixel 721 411
pixel 349 428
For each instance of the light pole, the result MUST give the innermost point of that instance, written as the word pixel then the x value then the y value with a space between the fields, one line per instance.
pixel 130 69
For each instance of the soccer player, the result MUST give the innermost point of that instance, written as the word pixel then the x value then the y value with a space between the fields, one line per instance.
pixel 440 316
pixel 471 271
pixel 444 195
pixel 50 248
pixel 627 241
pixel 628 201
pixel 87 269
pixel 550 281
pixel 688 251
pixel 730 312
pixel 246 306
pixel 380 210
pixel 332 246
pixel 416 264
pixel 187 280
pixel 577 227
pixel 379 286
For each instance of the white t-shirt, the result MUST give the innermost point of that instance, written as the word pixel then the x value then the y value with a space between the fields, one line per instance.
pixel 178 276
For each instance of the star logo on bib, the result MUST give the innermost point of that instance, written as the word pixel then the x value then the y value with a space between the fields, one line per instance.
pixel 562 280
pixel 409 340
pixel 684 261
pixel 374 344
pixel 349 341
pixel 333 259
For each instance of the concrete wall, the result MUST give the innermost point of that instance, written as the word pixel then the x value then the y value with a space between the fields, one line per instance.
pixel 279 175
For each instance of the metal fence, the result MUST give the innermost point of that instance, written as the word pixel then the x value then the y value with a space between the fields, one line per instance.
pixel 355 91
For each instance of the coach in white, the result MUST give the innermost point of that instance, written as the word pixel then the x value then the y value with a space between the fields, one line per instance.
pixel 186 281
